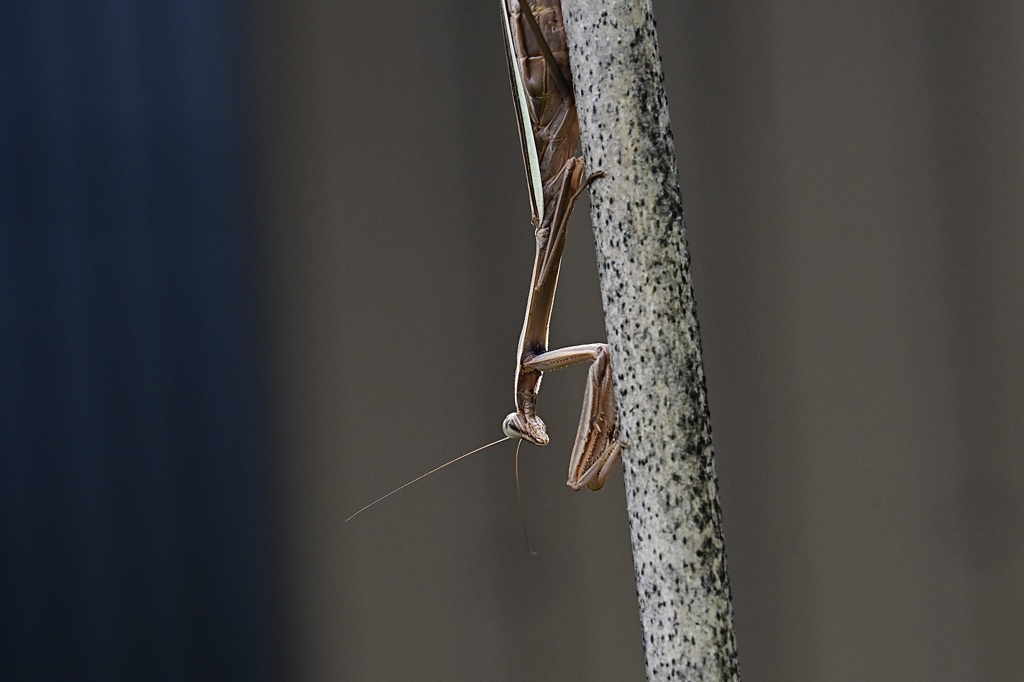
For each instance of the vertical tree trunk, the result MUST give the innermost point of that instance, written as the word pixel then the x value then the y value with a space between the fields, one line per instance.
pixel 671 487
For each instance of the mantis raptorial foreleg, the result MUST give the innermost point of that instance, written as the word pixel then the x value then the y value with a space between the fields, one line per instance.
pixel 597 447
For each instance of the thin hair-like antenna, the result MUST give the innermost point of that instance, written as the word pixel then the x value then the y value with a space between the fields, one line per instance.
pixel 420 478
pixel 519 503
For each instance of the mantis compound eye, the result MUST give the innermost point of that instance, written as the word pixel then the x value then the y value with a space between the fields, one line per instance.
pixel 511 427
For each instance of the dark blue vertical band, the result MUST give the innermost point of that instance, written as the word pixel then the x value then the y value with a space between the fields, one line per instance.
pixel 131 457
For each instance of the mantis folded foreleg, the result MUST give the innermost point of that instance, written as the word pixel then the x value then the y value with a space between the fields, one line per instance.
pixel 597 447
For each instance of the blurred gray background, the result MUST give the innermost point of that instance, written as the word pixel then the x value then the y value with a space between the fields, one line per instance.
pixel 263 262
pixel 852 177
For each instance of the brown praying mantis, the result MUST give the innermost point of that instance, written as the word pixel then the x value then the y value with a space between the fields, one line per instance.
pixel 549 132
pixel 538 62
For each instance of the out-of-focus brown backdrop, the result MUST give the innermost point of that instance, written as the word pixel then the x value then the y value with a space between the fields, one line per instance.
pixel 852 176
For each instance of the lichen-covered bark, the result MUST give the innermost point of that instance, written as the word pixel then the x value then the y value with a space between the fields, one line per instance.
pixel 672 490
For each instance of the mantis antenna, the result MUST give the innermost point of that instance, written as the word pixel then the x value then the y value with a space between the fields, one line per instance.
pixel 432 471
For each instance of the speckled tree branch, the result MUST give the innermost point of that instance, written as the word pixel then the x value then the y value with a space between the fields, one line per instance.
pixel 671 487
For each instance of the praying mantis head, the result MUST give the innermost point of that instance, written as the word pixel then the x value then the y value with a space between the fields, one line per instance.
pixel 517 425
